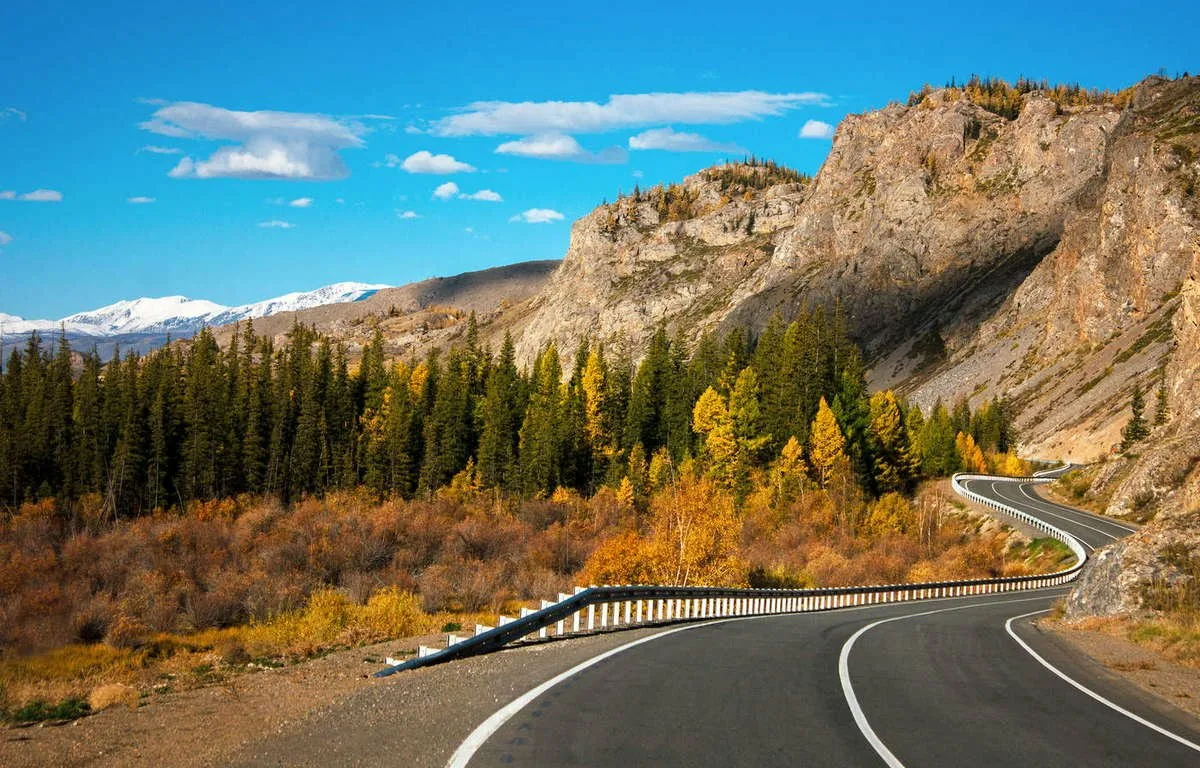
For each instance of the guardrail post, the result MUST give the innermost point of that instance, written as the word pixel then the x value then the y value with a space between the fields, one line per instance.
pixel 591 621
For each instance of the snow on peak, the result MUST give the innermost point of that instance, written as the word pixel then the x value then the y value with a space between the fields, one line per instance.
pixel 181 316
pixel 145 315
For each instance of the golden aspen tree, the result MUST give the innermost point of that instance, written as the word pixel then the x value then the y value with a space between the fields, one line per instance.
pixel 711 420
pixel 790 472
pixel 826 444
pixel 970 453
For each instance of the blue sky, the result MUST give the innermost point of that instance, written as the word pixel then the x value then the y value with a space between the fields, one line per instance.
pixel 259 106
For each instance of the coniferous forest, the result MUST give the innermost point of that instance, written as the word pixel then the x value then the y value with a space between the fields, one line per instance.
pixel 267 501
pixel 193 422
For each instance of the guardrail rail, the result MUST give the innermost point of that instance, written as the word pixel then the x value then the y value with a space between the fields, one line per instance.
pixel 611 607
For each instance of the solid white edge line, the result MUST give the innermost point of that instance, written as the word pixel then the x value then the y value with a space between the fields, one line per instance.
pixel 998 497
pixel 1094 518
pixel 860 717
pixel 488 728
pixel 1008 626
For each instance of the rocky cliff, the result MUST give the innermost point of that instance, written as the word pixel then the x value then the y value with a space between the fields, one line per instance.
pixel 1039 256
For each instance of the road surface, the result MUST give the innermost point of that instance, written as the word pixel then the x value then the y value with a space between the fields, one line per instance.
pixel 960 681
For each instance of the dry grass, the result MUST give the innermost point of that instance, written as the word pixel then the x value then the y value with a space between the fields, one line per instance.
pixel 112 694
pixel 106 675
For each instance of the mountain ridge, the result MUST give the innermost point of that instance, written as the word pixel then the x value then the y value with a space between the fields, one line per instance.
pixel 180 313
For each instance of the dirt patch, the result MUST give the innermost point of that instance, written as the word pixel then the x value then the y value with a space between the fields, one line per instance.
pixel 327 711
pixel 1104 642
pixel 201 726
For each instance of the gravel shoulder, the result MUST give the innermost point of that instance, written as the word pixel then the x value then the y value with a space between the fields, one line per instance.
pixel 327 711
pixel 1177 684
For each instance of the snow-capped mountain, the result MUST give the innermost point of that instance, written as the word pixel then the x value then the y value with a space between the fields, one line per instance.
pixel 178 316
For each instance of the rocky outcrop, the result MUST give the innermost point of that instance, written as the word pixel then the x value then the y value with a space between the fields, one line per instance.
pixel 1131 577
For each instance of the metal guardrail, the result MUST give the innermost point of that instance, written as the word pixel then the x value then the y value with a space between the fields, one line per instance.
pixel 609 607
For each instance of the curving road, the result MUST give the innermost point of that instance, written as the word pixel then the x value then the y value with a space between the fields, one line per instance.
pixel 960 681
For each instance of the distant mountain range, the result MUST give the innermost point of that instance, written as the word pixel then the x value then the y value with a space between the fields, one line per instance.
pixel 145 323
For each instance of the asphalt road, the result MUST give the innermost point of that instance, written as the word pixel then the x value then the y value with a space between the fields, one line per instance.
pixel 936 683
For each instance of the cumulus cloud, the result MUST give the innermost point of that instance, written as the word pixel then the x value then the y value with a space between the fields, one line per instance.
pixel 5 238
pixel 446 191
pixel 537 216
pixel 486 195
pixel 559 146
pixel 36 196
pixel 427 162
pixel 157 150
pixel 528 118
pixel 276 224
pixel 140 200
pixel 12 112
pixel 267 144
pixel 407 215
pixel 670 140
pixel 301 202
pixel 815 129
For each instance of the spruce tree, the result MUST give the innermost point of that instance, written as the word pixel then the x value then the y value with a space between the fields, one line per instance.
pixel 1137 429
pixel 1162 410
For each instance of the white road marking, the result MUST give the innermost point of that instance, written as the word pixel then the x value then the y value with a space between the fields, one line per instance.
pixel 860 718
pixel 1042 503
pixel 488 727
pixel 1009 628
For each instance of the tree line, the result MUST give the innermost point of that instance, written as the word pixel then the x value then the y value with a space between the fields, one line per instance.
pixel 192 421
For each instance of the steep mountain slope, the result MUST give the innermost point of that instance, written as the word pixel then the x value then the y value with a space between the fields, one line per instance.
pixel 1102 311
pixel 1036 254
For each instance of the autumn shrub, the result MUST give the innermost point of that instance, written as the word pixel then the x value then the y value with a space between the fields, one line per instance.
pixel 393 613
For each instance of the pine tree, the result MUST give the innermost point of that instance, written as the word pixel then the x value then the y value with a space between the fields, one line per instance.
pixel 1136 430
pixel 498 437
pixel 1162 410
pixel 539 438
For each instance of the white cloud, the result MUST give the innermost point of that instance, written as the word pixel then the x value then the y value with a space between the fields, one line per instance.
pixel 301 202
pixel 537 216
pixel 554 146
pixel 670 140
pixel 493 118
pixel 559 146
pixel 408 215
pixel 486 195
pixel 5 238
pixel 157 150
pixel 269 145
pixel 36 196
pixel 276 224
pixel 815 129
pixel 13 112
pixel 638 174
pixel 340 201
pixel 140 200
pixel 446 191
pixel 426 162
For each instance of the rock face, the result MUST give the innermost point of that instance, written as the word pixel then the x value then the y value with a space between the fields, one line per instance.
pixel 1109 304
pixel 1120 580
pixel 1040 258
